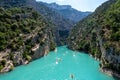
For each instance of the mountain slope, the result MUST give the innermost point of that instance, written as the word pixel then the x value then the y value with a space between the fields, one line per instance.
pixel 63 25
pixel 25 35
pixel 55 17
pixel 68 12
pixel 99 35
pixel 17 3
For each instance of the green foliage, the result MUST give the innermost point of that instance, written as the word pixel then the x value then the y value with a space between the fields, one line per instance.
pixel 115 36
pixel 35 15
pixel 1 67
pixel 102 30
pixel 52 46
pixel 19 21
pixel 11 55
pixel 20 30
pixel 15 63
pixel 14 26
pixel 3 62
pixel 28 57
pixel 11 68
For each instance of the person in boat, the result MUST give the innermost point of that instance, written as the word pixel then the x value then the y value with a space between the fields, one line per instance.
pixel 59 59
pixel 71 76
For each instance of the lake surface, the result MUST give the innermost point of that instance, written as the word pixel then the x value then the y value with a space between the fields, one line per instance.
pixel 59 65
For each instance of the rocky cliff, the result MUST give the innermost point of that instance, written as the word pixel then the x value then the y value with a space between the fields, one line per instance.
pixel 25 35
pixel 99 35
pixel 60 22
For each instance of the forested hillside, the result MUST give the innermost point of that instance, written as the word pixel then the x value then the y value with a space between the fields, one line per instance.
pixel 62 25
pixel 24 35
pixel 99 35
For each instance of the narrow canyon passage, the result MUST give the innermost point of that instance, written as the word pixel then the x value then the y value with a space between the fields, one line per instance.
pixel 59 65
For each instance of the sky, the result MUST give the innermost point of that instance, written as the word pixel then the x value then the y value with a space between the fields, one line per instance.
pixel 81 5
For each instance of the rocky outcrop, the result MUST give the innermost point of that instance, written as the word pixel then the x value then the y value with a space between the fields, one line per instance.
pixel 110 73
pixel 28 37
pixel 60 22
pixel 98 35
pixel 18 57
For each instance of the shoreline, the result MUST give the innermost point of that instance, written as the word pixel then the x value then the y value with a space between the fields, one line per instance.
pixel 107 71
pixel 110 73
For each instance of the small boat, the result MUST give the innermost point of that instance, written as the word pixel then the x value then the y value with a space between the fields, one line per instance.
pixel 59 59
pixel 55 50
pixel 71 76
pixel 56 62
pixel 74 55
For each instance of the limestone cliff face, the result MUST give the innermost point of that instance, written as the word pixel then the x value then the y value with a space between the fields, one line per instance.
pixel 99 35
pixel 18 57
pixel 61 23
pixel 25 35
pixel 41 50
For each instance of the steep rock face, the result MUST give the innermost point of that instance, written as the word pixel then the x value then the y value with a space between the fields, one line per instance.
pixel 68 12
pixel 64 17
pixel 98 34
pixel 56 18
pixel 25 35
pixel 61 23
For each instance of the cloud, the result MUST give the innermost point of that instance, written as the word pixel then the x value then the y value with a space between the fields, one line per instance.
pixel 60 0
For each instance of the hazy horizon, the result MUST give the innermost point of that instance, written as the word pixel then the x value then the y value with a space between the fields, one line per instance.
pixel 81 5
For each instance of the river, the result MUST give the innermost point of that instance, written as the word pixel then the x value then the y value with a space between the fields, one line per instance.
pixel 62 64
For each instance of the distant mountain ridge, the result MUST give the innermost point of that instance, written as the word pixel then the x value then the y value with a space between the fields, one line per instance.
pixel 59 7
pixel 68 12
pixel 62 24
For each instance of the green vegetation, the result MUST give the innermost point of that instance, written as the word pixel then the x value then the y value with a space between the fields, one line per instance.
pixel 100 33
pixel 16 24
pixel 20 30
pixel 61 23
pixel 1 67
pixel 52 46
pixel 2 64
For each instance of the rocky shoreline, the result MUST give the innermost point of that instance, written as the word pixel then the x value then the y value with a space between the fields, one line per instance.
pixel 106 70
pixel 110 73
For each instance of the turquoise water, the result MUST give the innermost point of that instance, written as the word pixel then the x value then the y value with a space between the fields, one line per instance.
pixel 59 65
